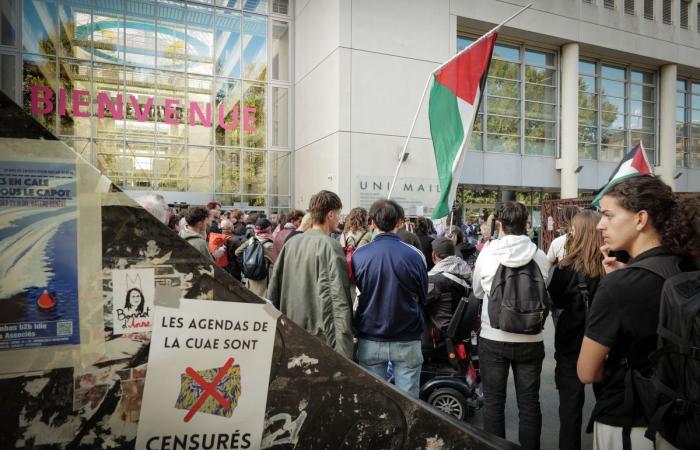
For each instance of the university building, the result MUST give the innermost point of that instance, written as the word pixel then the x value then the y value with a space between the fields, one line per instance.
pixel 261 103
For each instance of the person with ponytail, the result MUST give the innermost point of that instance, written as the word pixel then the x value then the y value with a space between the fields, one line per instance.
pixel 574 281
pixel 643 217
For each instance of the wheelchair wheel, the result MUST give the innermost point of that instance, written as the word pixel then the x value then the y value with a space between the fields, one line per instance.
pixel 449 401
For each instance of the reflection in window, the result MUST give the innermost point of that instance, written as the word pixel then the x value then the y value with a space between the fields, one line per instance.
pixel 137 164
pixel 38 88
pixel 39 27
pixel 74 29
pixel 280 50
pixel 75 79
pixel 587 111
pixel 257 6
pixel 254 172
pixel 110 160
pixel 280 117
pixel 253 115
pixel 199 162
pixel 140 114
pixel 8 22
pixel 688 124
pixel 170 35
pixel 169 167
pixel 228 171
pixel 279 183
pixel 228 44
pixel 254 47
pixel 520 102
pixel 617 109
pixel 228 112
pixel 202 113
pixel 171 107
pixel 200 39
pixel 147 94
pixel 108 31
pixel 140 33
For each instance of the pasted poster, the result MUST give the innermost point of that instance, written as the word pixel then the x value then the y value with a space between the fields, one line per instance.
pixel 38 243
pixel 207 379
pixel 133 291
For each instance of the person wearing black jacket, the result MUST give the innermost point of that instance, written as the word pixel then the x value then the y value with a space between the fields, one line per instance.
pixel 423 234
pixel 448 282
pixel 237 237
pixel 574 282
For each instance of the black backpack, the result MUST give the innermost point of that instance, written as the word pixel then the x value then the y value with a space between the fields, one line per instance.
pixel 670 407
pixel 519 301
pixel 675 407
pixel 255 265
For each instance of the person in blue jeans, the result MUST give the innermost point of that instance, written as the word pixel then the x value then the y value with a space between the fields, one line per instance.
pixel 499 350
pixel 393 282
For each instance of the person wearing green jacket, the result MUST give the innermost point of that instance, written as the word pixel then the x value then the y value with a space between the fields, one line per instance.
pixel 310 283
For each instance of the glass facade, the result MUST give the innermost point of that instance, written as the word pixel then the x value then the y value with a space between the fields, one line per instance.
pixel 688 124
pixel 166 95
pixel 617 109
pixel 518 112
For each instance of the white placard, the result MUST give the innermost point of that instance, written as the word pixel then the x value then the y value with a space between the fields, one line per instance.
pixel 133 291
pixel 207 377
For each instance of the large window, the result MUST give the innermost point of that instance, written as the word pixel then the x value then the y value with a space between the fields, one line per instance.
pixel 166 95
pixel 518 110
pixel 688 123
pixel 617 109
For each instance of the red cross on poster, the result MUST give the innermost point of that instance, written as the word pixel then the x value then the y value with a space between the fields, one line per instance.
pixel 208 370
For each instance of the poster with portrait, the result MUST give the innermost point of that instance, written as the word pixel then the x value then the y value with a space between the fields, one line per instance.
pixel 38 241
pixel 133 291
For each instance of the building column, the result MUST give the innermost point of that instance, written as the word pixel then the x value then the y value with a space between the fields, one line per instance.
pixel 567 163
pixel 667 125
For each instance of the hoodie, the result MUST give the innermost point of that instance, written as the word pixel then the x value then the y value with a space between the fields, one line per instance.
pixel 511 251
pixel 197 241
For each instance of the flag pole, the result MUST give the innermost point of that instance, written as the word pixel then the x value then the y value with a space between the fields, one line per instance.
pixel 425 89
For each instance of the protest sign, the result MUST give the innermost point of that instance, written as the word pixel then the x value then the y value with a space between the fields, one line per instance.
pixel 207 378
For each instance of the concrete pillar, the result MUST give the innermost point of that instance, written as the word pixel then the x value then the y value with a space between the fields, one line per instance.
pixel 568 160
pixel 667 125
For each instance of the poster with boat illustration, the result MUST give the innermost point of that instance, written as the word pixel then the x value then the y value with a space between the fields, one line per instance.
pixel 38 242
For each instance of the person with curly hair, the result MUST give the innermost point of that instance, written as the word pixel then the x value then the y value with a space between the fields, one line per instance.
pixel 643 217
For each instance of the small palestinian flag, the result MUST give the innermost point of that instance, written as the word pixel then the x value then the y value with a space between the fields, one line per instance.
pixel 454 101
pixel 632 165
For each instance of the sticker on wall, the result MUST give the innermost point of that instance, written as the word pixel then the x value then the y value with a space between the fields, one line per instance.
pixel 38 242
pixel 133 291
pixel 206 383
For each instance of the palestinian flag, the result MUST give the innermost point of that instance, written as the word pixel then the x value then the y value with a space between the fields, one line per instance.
pixel 454 100
pixel 632 165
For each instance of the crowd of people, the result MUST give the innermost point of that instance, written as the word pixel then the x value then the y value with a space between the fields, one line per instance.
pixel 379 289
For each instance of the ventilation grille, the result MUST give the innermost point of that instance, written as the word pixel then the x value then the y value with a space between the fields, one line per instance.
pixel 684 13
pixel 667 12
pixel 280 7
pixel 649 9
pixel 610 4
pixel 629 7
